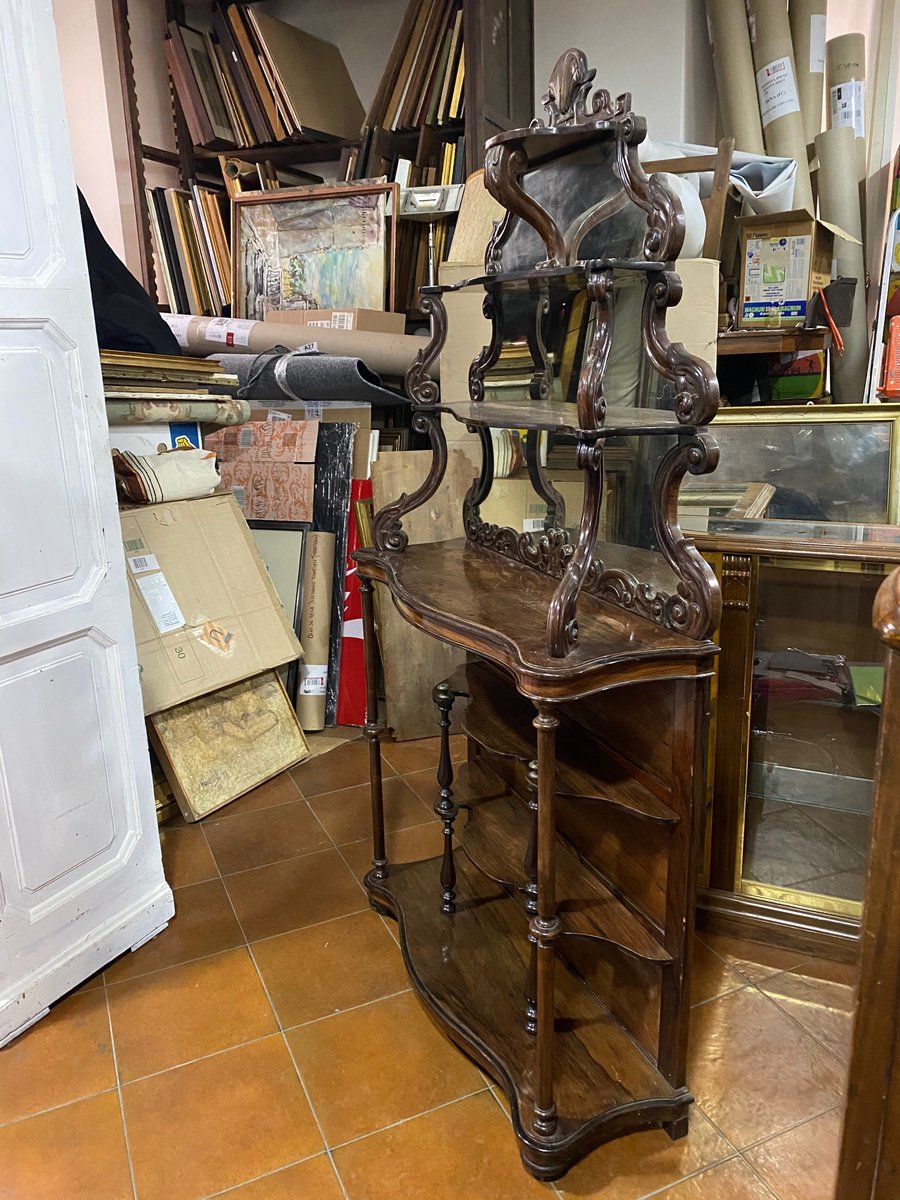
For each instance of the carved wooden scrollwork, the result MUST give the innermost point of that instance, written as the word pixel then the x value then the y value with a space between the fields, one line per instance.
pixel 591 401
pixel 504 164
pixel 387 528
pixel 694 608
pixel 696 386
pixel 556 506
pixel 566 98
pixel 541 384
pixel 562 627
pixel 420 387
pixel 488 355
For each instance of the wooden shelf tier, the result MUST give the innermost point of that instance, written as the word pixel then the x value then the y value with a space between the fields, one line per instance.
pixel 772 341
pixel 492 713
pixel 571 277
pixel 496 607
pixel 496 841
pixel 470 970
pixel 559 416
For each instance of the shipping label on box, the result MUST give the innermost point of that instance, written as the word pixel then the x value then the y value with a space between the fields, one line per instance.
pixel 266 441
pixel 786 258
pixel 369 320
pixel 271 491
pixel 204 611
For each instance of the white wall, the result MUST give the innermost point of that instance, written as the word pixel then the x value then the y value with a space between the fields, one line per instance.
pixel 96 117
pixel 656 49
pixel 363 31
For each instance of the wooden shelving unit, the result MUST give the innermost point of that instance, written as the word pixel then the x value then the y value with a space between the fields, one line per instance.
pixel 552 937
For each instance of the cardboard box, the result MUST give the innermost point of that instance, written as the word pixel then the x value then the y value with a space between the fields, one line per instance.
pixel 204 611
pixel 514 504
pixel 370 320
pixel 147 439
pixel 785 258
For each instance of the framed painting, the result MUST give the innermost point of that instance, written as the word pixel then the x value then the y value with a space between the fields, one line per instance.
pixel 313 247
pixel 280 545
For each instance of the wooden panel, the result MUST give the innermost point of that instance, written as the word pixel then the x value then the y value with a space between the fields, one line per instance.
pixel 414 662
pixel 499 71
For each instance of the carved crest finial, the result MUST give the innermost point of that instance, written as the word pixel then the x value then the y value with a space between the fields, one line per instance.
pixel 566 99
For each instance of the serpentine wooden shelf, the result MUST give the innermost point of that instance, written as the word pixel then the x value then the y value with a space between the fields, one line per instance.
pixel 552 937
pixel 469 972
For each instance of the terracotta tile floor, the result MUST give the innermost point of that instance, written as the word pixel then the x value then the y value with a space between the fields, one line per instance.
pixel 266 1046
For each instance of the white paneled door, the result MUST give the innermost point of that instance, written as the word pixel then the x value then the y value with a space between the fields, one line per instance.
pixel 80 873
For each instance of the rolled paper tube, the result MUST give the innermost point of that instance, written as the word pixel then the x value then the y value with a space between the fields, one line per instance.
pixel 845 77
pixel 839 204
pixel 776 87
pixel 385 353
pixel 735 78
pixel 315 625
pixel 807 18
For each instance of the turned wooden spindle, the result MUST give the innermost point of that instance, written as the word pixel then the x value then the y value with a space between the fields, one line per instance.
pixel 545 928
pixel 445 808
pixel 372 729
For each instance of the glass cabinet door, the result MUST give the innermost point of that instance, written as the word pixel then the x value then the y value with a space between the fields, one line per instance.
pixel 816 688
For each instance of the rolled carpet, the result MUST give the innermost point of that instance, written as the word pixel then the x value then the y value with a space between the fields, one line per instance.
pixel 269 378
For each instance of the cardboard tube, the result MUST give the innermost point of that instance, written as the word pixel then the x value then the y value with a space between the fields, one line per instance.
pixel 807 18
pixel 839 204
pixel 385 353
pixel 776 87
pixel 735 78
pixel 315 628
pixel 845 75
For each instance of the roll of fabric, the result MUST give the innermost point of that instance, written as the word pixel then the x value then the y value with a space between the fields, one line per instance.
pixel 735 78
pixel 845 75
pixel 390 354
pixel 776 88
pixel 807 19
pixel 839 204
pixel 156 412
pixel 270 378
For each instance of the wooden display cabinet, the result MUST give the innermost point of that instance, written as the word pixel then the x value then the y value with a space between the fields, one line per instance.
pixel 552 937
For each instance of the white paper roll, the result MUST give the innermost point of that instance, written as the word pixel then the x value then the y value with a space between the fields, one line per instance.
pixel 807 18
pixel 839 204
pixel 845 71
pixel 776 87
pixel 735 78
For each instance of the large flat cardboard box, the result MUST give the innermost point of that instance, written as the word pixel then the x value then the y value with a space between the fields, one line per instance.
pixel 370 320
pixel 204 611
pixel 785 259
pixel 514 504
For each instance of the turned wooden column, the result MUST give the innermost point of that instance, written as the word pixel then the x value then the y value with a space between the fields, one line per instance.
pixel 545 927
pixel 531 779
pixel 372 729
pixel 445 808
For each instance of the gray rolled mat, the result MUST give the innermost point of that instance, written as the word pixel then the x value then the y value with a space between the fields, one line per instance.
pixel 270 378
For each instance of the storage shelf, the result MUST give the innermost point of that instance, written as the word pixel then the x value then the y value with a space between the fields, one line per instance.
pixel 573 276
pixel 470 970
pixel 485 602
pixel 492 713
pixel 772 341
pixel 558 416
pixel 496 841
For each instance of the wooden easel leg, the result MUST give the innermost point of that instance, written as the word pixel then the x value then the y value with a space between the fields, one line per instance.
pixel 372 730
pixel 445 808
pixel 545 927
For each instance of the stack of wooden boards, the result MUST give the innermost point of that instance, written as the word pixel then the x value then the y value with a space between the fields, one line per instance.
pixel 190 233
pixel 252 80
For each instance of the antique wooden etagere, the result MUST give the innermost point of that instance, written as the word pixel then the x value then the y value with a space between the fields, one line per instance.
pixel 552 938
